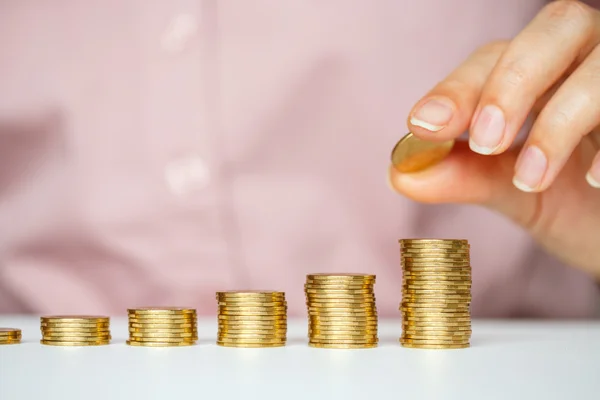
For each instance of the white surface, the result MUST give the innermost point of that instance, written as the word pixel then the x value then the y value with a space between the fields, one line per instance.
pixel 507 360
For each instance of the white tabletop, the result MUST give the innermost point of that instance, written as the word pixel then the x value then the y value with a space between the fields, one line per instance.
pixel 507 360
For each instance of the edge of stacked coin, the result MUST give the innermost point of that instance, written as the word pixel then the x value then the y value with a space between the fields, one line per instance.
pixel 251 319
pixel 75 330
pixel 162 326
pixel 436 293
pixel 342 313
pixel 10 336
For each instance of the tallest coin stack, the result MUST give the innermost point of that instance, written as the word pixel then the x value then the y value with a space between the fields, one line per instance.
pixel 436 293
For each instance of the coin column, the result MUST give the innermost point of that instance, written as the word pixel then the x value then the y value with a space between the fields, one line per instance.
pixel 341 311
pixel 10 336
pixel 75 330
pixel 436 293
pixel 251 319
pixel 162 326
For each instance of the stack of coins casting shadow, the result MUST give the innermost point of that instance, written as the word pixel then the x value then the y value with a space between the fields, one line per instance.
pixel 252 319
pixel 341 311
pixel 75 330
pixel 436 293
pixel 10 336
pixel 162 327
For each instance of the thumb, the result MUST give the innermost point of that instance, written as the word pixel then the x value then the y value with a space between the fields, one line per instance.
pixel 471 178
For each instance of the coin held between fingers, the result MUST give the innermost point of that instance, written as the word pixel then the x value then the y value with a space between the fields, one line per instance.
pixel 412 154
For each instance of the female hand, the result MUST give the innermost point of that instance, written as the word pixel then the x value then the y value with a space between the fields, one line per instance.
pixel 550 184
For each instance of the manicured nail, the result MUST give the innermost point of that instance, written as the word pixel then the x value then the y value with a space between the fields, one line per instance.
pixel 593 176
pixel 531 168
pixel 488 130
pixel 434 115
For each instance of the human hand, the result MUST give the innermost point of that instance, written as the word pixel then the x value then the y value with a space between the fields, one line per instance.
pixel 550 184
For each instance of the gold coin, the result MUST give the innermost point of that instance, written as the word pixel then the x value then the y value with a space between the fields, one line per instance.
pixel 339 286
pixel 5 339
pixel 342 345
pixel 67 343
pixel 347 325
pixel 162 339
pixel 324 334
pixel 427 275
pixel 136 325
pixel 341 291
pixel 272 324
pixel 342 341
pixel 342 328
pixel 252 308
pixel 251 340
pixel 251 303
pixel 74 319
pixel 252 331
pixel 434 330
pixel 347 314
pixel 422 258
pixel 162 330
pixel 433 322
pixel 253 294
pixel 428 241
pixel 408 257
pixel 161 335
pixel 417 334
pixel 435 346
pixel 434 300
pixel 173 323
pixel 281 318
pixel 251 313
pixel 412 154
pixel 161 310
pixel 158 344
pixel 340 294
pixel 434 341
pixel 343 319
pixel 340 304
pixel 344 322
pixel 9 331
pixel 343 338
pixel 75 334
pixel 446 293
pixel 76 339
pixel 337 300
pixel 10 341
pixel 444 254
pixel 250 345
pixel 424 280
pixel 437 307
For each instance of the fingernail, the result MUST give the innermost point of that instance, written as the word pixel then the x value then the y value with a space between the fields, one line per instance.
pixel 434 115
pixel 531 167
pixel 488 130
pixel 593 176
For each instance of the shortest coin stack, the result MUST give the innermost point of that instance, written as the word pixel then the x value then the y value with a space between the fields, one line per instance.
pixel 162 326
pixel 10 336
pixel 75 330
pixel 252 319
pixel 341 311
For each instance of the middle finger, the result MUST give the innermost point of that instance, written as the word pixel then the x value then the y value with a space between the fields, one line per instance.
pixel 534 60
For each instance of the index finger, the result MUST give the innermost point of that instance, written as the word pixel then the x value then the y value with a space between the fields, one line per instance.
pixel 446 111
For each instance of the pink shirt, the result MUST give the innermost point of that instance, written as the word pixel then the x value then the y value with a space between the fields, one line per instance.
pixel 154 152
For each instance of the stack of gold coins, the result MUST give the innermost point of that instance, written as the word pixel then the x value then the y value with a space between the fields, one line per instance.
pixel 10 336
pixel 162 326
pixel 341 311
pixel 436 293
pixel 75 330
pixel 252 319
